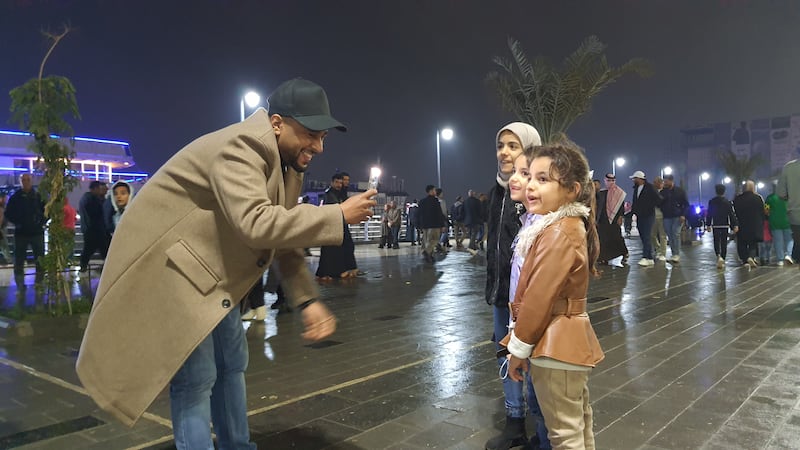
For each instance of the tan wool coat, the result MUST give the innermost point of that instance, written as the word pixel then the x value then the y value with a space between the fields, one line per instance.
pixel 188 248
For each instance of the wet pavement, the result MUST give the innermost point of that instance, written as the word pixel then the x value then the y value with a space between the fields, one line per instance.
pixel 695 358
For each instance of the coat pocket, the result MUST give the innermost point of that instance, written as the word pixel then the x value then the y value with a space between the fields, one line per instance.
pixel 192 266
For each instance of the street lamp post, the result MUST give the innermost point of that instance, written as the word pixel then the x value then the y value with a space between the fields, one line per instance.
pixel 446 134
pixel 251 99
pixel 666 171
pixel 616 162
pixel 700 178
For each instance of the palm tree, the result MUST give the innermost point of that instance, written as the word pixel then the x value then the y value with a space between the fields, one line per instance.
pixel 552 98
pixel 740 169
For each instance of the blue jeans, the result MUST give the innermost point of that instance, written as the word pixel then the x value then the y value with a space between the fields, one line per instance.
pixel 782 240
pixel 210 387
pixel 672 226
pixel 645 226
pixel 515 399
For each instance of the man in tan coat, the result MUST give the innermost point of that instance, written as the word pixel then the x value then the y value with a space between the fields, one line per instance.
pixel 199 235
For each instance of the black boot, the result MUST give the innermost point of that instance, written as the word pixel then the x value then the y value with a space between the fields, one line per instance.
pixel 513 435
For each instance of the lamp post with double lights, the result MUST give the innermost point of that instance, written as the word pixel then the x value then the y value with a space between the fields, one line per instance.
pixel 616 162
pixel 251 99
pixel 446 134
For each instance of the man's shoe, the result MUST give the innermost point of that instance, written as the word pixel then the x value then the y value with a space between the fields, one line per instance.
pixel 472 251
pixel 788 259
pixel 720 262
pixel 780 263
pixel 675 259
pixel 752 263
pixel 259 313
pixel 513 435
pixel 646 262
pixel 395 246
pixel 662 258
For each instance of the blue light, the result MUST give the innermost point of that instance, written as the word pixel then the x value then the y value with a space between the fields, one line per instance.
pixel 77 138
pixel 131 174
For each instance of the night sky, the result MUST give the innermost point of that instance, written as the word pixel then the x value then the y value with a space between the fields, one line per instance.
pixel 159 74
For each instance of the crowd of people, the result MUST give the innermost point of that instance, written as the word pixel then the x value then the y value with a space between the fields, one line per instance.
pixel 761 227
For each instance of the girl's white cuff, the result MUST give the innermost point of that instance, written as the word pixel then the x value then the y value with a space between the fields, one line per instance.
pixel 518 348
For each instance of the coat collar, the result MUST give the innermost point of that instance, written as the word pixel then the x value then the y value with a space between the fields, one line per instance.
pixel 528 235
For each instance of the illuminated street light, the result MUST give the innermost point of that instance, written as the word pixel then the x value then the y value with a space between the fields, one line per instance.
pixel 251 99
pixel 666 171
pixel 726 180
pixel 446 134
pixel 616 162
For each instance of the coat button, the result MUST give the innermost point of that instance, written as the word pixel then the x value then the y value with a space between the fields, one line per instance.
pixel 261 262
pixel 226 303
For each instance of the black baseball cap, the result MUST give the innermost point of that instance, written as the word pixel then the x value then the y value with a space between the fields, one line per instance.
pixel 305 102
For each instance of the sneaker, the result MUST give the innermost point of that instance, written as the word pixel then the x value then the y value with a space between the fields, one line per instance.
pixel 788 259
pixel 752 263
pixel 675 259
pixel 780 263
pixel 662 258
pixel 472 251
pixel 720 262
pixel 646 262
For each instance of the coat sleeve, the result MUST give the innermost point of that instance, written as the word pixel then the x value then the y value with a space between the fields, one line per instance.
pixel 549 264
pixel 238 180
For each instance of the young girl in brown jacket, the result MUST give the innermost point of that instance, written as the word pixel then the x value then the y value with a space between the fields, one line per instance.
pixel 551 335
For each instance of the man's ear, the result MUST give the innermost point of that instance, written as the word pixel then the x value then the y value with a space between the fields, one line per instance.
pixel 277 123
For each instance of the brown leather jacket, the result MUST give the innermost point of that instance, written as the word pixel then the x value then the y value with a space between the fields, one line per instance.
pixel 550 302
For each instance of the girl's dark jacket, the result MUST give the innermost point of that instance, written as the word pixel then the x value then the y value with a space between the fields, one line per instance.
pixel 503 227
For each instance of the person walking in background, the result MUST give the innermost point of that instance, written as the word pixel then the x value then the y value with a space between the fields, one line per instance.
pixel 552 336
pixel 444 238
pixel 386 234
pixel 431 220
pixel 25 210
pixel 789 190
pixel 721 219
pixel 473 220
pixel 627 218
pixel 5 251
pixel 337 261
pixel 749 209
pixel 609 221
pixel 457 216
pixel 413 233
pixel 779 227
pixel 70 220
pixel 510 142
pixel 658 236
pixel 483 231
pixel 645 201
pixel 675 207
pixel 394 217
pixel 93 225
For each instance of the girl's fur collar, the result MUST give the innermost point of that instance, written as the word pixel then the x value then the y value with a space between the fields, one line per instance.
pixel 528 235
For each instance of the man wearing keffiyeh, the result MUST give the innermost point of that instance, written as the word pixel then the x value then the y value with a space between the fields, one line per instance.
pixel 609 220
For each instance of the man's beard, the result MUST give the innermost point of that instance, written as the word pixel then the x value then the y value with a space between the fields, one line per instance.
pixel 298 168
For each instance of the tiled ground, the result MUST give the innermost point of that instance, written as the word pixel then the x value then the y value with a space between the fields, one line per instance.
pixel 695 358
